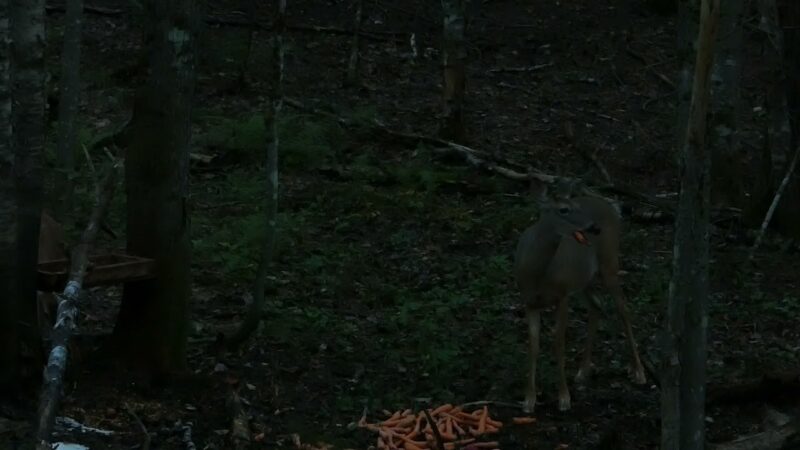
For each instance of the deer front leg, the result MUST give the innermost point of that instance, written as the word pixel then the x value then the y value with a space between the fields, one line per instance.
pixel 534 324
pixel 585 369
pixel 560 344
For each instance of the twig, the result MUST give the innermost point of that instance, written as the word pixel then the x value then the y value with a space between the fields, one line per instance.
pixel 774 205
pixel 97 10
pixel 88 160
pixel 535 68
pixel 473 156
pixel 492 403
pixel 68 312
pixel 435 429
pixel 240 430
pixel 375 35
pixel 146 442
pixel 650 67
pixel 569 131
pixel 352 65
pixel 186 436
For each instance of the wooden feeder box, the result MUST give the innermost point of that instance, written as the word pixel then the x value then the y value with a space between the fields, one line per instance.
pixel 103 269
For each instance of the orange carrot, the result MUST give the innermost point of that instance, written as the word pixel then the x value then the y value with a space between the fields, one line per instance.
pixel 460 431
pixel 523 420
pixel 444 408
pixel 482 422
pixel 467 418
pixel 492 444
pixel 458 444
pixel 494 423
pixel 372 427
pixel 415 431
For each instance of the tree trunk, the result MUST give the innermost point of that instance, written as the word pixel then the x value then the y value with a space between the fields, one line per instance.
pixel 256 311
pixel 724 140
pixel 152 326
pixel 787 216
pixel 26 76
pixel 68 106
pixel 9 339
pixel 683 415
pixel 688 13
pixel 454 56
pixel 777 135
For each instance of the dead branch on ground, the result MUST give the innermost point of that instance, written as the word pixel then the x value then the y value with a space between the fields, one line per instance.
pixel 474 157
pixel 96 10
pixel 375 35
pixel 68 310
pixel 772 439
pixel 146 441
pixel 769 387
pixel 569 132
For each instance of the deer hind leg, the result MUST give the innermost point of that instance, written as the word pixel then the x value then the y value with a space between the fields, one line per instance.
pixel 560 347
pixel 534 326
pixel 611 281
pixel 585 369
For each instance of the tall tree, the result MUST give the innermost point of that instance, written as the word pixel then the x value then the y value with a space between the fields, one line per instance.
pixel 454 58
pixel 152 326
pixel 685 355
pixel 8 218
pixel 724 139
pixel 256 311
pixel 21 344
pixel 688 14
pixel 68 105
pixel 789 20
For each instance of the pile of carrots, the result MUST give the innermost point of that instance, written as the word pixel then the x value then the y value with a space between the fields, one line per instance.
pixel 458 429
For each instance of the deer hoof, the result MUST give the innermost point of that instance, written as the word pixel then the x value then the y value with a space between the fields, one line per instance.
pixel 638 375
pixel 529 404
pixel 564 402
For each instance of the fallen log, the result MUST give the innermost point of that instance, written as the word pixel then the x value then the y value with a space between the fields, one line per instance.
pixel 68 312
pixel 770 387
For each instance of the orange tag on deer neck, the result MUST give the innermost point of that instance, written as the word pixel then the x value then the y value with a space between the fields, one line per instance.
pixel 580 237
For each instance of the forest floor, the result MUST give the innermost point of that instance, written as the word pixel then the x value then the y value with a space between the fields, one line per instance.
pixel 392 288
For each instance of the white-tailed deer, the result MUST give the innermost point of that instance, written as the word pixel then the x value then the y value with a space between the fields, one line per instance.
pixel 51 247
pixel 575 237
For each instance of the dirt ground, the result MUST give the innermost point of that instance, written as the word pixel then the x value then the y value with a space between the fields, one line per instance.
pixel 392 288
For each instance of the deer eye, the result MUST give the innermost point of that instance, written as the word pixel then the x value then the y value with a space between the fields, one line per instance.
pixel 563 210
